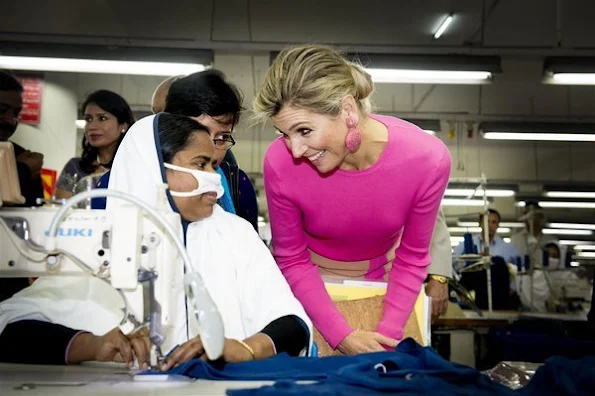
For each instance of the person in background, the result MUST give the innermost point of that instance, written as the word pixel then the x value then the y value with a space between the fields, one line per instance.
pixel 504 285
pixel 160 94
pixel 497 245
pixel 440 270
pixel 29 163
pixel 349 193
pixel 107 118
pixel 531 241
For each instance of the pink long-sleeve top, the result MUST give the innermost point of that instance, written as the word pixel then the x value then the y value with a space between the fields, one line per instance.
pixel 351 215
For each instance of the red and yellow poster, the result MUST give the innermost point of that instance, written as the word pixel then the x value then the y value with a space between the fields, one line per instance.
pixel 48 179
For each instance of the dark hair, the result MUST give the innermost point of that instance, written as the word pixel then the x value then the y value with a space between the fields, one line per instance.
pixel 8 82
pixel 492 211
pixel 532 203
pixel 175 132
pixel 205 92
pixel 117 106
pixel 554 245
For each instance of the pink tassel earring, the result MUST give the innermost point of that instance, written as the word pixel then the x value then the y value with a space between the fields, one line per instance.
pixel 354 138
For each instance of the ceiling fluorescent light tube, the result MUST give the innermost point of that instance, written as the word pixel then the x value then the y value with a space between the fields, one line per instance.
pixel 584 247
pixel 559 231
pixel 512 224
pixel 99 66
pixel 412 76
pixel 468 223
pixel 572 79
pixel 570 194
pixel 531 136
pixel 573 226
pixel 501 230
pixel 461 202
pixel 569 205
pixel 443 26
pixel 464 192
pixel 574 242
pixel 509 224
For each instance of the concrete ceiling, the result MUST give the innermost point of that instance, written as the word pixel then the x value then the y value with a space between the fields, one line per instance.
pixel 497 26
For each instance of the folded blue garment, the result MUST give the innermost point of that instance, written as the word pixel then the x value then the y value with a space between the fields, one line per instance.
pixel 281 366
pixel 412 370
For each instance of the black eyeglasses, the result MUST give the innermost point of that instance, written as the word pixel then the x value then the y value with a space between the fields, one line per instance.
pixel 224 142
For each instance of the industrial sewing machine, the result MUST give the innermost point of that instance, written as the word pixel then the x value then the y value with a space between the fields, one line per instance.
pixel 138 252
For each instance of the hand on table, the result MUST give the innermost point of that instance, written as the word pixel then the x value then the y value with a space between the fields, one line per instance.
pixel 365 341
pixel 233 351
pixel 110 347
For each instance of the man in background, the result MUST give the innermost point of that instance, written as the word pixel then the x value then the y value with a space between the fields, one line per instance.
pixel 497 245
pixel 29 164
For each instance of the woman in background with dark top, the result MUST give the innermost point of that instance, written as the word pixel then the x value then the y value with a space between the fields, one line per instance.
pixel 107 116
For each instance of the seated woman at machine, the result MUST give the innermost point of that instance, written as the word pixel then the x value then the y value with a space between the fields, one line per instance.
pixel 260 314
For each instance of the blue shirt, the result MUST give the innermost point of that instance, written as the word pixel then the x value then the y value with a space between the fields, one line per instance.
pixel 497 248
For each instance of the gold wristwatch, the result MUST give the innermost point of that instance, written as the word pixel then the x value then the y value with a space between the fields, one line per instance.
pixel 439 278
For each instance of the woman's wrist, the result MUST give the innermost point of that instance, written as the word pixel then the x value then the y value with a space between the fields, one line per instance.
pixel 262 346
pixel 81 348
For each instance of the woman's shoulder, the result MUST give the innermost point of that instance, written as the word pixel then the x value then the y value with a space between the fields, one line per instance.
pixel 413 142
pixel 73 166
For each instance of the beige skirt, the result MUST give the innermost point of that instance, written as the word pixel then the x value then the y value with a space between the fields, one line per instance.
pixel 363 314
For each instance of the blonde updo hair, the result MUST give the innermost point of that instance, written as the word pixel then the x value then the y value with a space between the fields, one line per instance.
pixel 313 77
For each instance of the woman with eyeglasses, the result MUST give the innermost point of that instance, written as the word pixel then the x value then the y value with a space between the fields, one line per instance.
pixel 207 98
pixel 210 99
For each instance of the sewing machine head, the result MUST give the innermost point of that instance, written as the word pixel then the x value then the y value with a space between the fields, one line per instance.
pixel 127 248
pixel 124 249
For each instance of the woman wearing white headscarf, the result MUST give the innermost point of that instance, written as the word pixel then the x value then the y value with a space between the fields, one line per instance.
pixel 261 316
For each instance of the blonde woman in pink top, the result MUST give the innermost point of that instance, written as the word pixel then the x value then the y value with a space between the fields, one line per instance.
pixel 349 193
